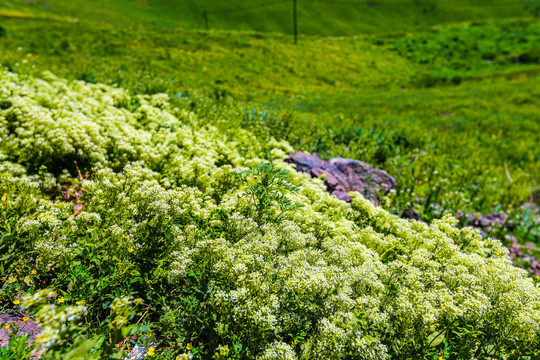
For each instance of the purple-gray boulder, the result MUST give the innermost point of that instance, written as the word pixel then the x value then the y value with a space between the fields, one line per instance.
pixel 29 327
pixel 344 175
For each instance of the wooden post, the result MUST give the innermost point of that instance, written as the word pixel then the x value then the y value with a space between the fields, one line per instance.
pixel 295 28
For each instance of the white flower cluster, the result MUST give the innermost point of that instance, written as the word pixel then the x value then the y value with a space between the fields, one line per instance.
pixel 278 351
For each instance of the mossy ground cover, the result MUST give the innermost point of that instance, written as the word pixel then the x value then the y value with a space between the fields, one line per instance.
pixel 177 210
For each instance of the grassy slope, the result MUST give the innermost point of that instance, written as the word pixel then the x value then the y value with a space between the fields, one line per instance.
pixel 315 17
pixel 359 96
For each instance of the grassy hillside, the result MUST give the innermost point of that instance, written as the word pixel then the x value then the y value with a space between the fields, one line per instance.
pixel 144 193
pixel 469 115
pixel 321 17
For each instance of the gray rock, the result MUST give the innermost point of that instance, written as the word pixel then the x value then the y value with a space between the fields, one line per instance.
pixel 484 222
pixel 15 319
pixel 410 213
pixel 344 175
pixel 487 221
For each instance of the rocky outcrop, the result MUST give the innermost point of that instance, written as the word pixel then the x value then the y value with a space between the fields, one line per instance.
pixel 520 255
pixel 344 175
pixel 23 322
pixel 485 222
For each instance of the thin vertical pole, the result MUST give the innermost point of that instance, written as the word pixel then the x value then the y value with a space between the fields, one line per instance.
pixel 295 28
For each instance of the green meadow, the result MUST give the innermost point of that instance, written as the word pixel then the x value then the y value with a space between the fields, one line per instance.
pixel 146 201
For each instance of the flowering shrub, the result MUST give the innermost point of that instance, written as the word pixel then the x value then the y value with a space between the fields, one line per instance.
pixel 186 218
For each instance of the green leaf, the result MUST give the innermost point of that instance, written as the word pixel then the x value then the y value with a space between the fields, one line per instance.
pixel 82 349
pixel 436 338
pixel 135 273
pixel 371 340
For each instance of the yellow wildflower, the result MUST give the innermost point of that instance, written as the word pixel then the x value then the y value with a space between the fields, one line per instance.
pixel 34 272
pixel 16 302
pixel 25 319
pixel 4 198
pixel 189 346
pixel 130 250
pixel 6 326
pixel 61 300
pixel 151 351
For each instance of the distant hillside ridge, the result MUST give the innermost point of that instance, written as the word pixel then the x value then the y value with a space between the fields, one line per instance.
pixel 315 17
